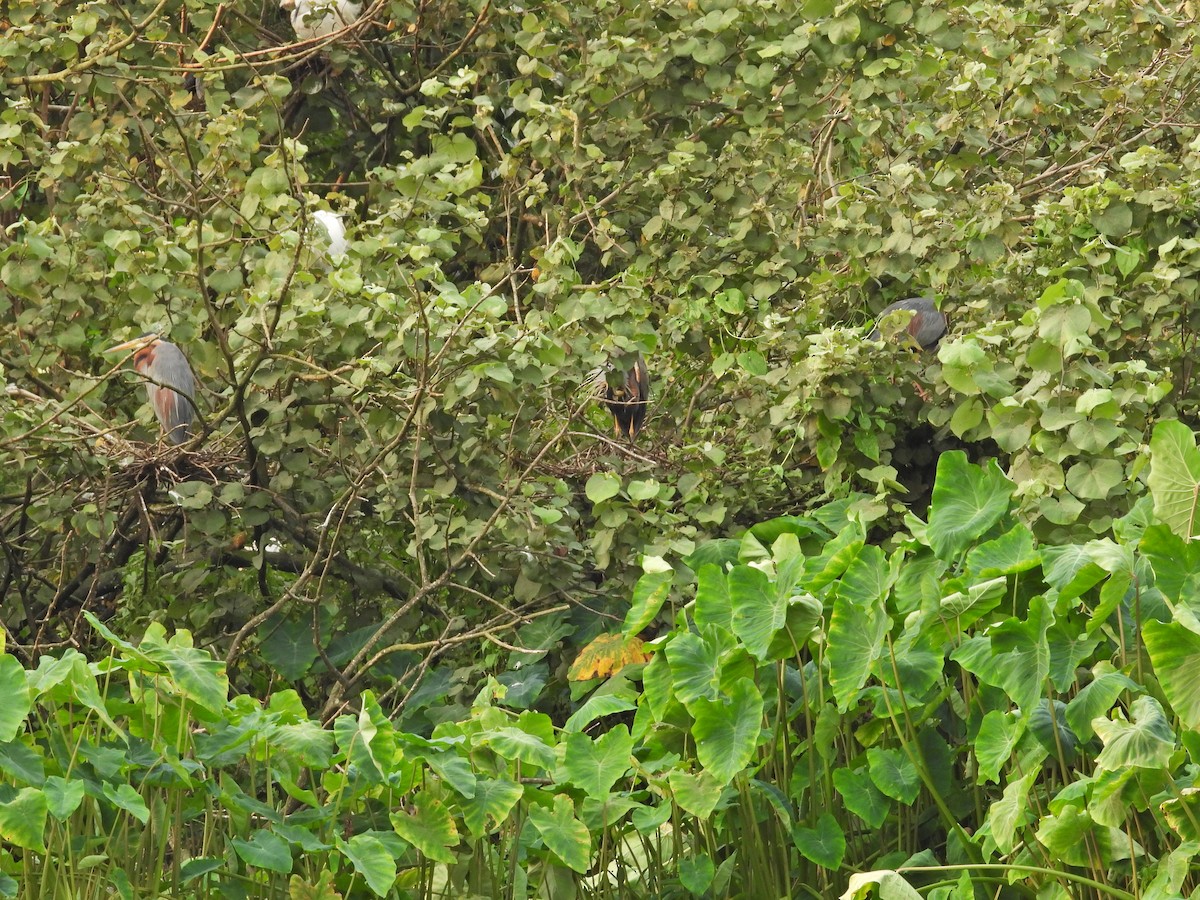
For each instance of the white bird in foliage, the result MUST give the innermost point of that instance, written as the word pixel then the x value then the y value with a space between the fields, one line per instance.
pixel 335 231
pixel 318 18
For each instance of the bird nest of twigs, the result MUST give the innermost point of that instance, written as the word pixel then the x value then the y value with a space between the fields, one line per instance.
pixel 597 455
pixel 161 465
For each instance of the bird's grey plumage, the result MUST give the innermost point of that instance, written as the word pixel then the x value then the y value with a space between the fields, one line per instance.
pixel 171 388
pixel 926 327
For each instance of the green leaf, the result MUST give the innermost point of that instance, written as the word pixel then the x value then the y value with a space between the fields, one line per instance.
pixel 860 795
pixel 512 743
pixel 713 604
pixel 1115 220
pixel 891 886
pixel 998 735
pixel 17 700
pixel 197 675
pixel 1008 554
pixel 493 800
pixel 371 860
pixel 1008 813
pixel 1176 565
pixel 844 29
pixel 1095 700
pixel 1175 654
pixel 696 873
pixel 967 501
pixel 695 662
pixel 1175 477
pixel 858 626
pixel 288 647
pixel 825 844
pixel 199 865
pixel 596 765
pixel 565 836
pixel 602 486
pixel 126 798
pixel 1095 480
pixel 62 797
pixel 726 730
pixel 697 794
pixel 649 594
pixel 430 828
pixel 758 611
pixel 22 763
pixel 1145 743
pixel 265 850
pixel 23 819
pixel 753 362
pixel 1014 656
pixel 596 707
pixel 1064 832
pixel 894 774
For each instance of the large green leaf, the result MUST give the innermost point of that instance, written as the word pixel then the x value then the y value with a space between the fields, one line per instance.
pixel 596 707
pixel 62 796
pixel 1175 653
pixel 758 611
pixel 23 819
pixel 858 626
pixel 197 675
pixel 1008 554
pixel 17 702
pixel 595 765
pixel 727 730
pixel 1096 699
pixel 889 884
pixel 861 796
pixel 125 797
pixel 265 850
pixel 288 645
pixel 713 604
pixel 967 501
pixel 371 860
pixel 698 794
pixel 1175 477
pixel 1145 743
pixel 998 735
pixel 696 664
pixel 493 800
pixel 894 773
pixel 429 827
pixel 512 743
pixel 649 594
pixel 22 763
pixel 825 844
pixel 565 836
pixel 1176 565
pixel 1010 812
pixel 1015 656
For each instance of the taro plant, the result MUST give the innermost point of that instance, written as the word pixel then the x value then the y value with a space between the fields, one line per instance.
pixel 961 707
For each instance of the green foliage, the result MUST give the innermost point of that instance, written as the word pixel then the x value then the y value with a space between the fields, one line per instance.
pixel 975 724
pixel 402 516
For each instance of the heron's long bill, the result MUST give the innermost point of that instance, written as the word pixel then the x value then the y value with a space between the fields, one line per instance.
pixel 136 344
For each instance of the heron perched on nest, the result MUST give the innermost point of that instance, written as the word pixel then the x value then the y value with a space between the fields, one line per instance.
pixel 626 393
pixel 170 385
pixel 925 327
